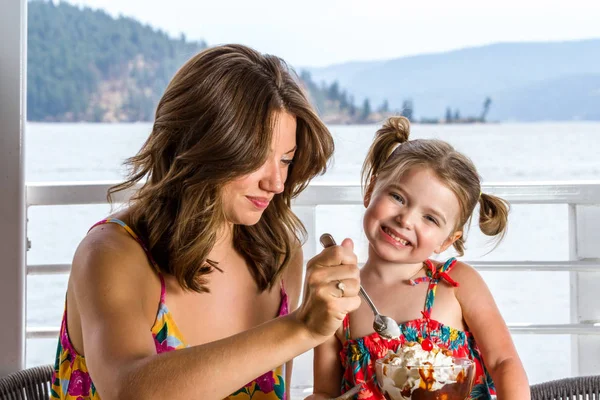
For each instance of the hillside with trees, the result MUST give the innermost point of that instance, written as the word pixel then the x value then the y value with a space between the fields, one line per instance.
pixel 84 65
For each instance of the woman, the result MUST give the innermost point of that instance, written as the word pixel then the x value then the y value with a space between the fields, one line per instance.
pixel 207 253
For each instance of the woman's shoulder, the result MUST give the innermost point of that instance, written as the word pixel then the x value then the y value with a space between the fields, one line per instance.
pixel 108 249
pixel 111 283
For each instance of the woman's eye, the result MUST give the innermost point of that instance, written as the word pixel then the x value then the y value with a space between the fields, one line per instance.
pixel 288 162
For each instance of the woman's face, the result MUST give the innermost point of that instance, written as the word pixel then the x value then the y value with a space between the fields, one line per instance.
pixel 247 197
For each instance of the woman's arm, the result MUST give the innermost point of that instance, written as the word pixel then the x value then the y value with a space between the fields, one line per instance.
pixel 120 351
pixel 491 334
pixel 327 370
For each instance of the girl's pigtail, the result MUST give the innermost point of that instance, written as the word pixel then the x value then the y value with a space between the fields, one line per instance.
pixel 394 132
pixel 493 215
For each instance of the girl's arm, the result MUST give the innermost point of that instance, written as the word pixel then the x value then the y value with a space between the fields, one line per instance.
pixel 327 370
pixel 108 278
pixel 491 334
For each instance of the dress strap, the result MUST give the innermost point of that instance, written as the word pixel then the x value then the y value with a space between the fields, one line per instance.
pixel 127 229
pixel 346 327
pixel 433 276
pixel 445 269
pixel 163 286
pixel 284 307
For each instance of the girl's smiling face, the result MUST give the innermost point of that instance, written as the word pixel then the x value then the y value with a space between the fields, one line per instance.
pixel 409 218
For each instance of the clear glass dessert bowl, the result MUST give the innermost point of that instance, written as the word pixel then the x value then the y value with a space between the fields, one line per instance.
pixel 425 381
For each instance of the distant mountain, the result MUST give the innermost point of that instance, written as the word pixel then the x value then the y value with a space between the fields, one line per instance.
pixel 342 72
pixel 518 77
pixel 84 65
pixel 575 97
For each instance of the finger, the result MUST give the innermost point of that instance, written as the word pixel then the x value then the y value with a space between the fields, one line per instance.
pixel 324 274
pixel 338 289
pixel 344 306
pixel 327 241
pixel 344 288
pixel 348 243
pixel 335 255
pixel 348 304
pixel 351 287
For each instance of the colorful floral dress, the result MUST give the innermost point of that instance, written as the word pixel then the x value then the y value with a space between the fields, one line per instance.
pixel 358 355
pixel 71 380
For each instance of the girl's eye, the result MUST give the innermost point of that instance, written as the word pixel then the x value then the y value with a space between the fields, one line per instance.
pixel 397 197
pixel 432 219
pixel 288 162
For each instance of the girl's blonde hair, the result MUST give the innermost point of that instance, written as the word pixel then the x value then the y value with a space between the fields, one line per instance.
pixel 392 155
pixel 214 124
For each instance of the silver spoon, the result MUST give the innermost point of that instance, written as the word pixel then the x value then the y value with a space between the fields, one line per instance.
pixel 350 393
pixel 385 326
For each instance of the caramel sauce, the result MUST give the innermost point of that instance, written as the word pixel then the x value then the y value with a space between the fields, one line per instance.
pixel 461 377
pixel 460 390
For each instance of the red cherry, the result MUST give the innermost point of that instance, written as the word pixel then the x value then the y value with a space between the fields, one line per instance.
pixel 427 345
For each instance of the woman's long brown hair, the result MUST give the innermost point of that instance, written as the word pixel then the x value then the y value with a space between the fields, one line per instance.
pixel 214 124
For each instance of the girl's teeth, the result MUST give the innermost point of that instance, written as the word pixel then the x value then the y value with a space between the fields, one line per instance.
pixel 396 238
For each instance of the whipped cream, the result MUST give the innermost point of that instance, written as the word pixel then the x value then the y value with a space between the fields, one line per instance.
pixel 412 367
pixel 413 355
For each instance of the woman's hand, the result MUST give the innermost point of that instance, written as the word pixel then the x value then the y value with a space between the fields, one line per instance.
pixel 324 304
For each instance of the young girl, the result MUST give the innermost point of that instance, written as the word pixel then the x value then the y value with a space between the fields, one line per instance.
pixel 420 195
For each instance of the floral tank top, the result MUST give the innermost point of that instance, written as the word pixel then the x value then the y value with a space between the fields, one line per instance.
pixel 358 355
pixel 71 380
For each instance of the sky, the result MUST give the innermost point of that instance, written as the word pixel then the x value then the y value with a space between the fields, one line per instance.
pixel 325 32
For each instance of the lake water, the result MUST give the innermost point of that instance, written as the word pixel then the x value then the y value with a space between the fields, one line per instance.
pixel 502 152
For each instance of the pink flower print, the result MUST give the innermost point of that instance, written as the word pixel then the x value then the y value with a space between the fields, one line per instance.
pixel 163 347
pixel 266 382
pixel 79 384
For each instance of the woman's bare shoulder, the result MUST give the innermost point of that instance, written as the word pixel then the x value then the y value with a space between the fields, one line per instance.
pixel 109 252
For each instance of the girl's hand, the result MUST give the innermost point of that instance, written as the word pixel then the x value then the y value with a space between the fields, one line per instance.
pixel 324 304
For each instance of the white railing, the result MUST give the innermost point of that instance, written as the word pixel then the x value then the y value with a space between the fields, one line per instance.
pixel 316 194
pixel 578 195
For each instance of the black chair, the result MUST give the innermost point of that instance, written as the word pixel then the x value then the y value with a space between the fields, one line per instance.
pixel 581 387
pixel 29 384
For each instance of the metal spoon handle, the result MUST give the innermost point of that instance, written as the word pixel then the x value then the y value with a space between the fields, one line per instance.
pixel 368 300
pixel 327 240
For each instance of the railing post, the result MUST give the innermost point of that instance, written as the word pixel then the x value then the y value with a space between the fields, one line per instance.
pixel 308 216
pixel 13 24
pixel 585 302
pixel 302 372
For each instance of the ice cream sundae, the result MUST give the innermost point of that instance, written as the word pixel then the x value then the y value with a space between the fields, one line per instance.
pixel 423 371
